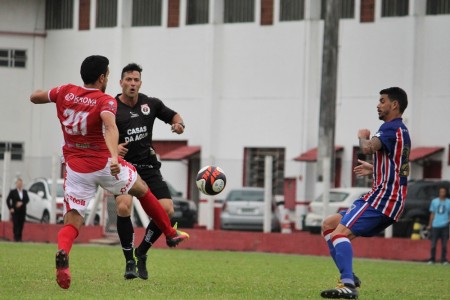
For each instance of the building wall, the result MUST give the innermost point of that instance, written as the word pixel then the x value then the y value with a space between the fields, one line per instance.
pixel 236 85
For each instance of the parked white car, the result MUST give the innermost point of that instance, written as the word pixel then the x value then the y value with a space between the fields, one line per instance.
pixel 340 199
pixel 39 207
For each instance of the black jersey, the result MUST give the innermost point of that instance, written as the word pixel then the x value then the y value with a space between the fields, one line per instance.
pixel 135 126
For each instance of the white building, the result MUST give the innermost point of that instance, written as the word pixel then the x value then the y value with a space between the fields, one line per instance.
pixel 245 79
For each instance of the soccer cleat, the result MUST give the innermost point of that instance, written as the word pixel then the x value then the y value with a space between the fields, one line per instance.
pixel 141 265
pixel 342 291
pixel 357 280
pixel 179 237
pixel 62 269
pixel 130 270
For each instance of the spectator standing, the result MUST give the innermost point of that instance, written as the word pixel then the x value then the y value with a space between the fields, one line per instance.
pixel 439 225
pixel 17 203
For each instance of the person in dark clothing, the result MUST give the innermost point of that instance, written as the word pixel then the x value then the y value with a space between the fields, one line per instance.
pixel 17 203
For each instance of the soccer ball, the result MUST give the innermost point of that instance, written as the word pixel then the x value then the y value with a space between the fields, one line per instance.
pixel 211 180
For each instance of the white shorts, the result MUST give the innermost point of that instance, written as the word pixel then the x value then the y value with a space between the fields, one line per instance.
pixel 80 188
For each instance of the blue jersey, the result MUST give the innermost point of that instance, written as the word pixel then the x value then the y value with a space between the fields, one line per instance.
pixel 391 169
pixel 441 210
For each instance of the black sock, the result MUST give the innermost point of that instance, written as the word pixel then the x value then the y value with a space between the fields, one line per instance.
pixel 126 235
pixel 152 233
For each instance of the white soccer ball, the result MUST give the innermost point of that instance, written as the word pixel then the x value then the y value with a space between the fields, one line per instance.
pixel 211 180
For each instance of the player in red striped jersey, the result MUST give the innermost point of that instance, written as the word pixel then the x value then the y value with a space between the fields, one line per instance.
pixel 383 205
pixel 87 117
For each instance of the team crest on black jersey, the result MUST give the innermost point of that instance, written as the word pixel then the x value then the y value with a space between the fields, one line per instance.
pixel 145 109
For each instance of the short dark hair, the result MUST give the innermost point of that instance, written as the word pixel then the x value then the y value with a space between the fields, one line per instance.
pixel 92 67
pixel 130 68
pixel 445 188
pixel 397 94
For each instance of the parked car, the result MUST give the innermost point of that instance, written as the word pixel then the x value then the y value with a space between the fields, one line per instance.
pixel 417 205
pixel 418 199
pixel 340 199
pixel 39 207
pixel 185 210
pixel 243 209
pixel 185 214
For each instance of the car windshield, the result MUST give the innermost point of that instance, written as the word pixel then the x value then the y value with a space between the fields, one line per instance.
pixel 59 190
pixel 243 195
pixel 334 197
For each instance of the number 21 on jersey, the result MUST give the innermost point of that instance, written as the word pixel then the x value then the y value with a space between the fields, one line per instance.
pixel 76 122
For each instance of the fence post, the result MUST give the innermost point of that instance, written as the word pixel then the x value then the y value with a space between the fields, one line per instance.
pixel 5 189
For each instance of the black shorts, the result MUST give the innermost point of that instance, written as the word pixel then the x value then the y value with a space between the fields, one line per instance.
pixel 155 181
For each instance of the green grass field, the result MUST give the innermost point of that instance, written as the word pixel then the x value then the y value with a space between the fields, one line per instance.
pixel 27 272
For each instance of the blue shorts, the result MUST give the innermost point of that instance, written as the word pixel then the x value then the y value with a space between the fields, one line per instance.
pixel 364 220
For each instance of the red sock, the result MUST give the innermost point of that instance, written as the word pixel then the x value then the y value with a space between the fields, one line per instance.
pixel 154 210
pixel 66 237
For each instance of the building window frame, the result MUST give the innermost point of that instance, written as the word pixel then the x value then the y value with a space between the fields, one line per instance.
pixel 394 8
pixel 347 10
pixel 13 58
pixel 106 14
pixel 16 149
pixel 292 10
pixel 254 164
pixel 59 14
pixel 146 13
pixel 438 7
pixel 239 11
pixel 197 12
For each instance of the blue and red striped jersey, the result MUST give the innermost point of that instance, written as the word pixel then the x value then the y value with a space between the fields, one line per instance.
pixel 390 169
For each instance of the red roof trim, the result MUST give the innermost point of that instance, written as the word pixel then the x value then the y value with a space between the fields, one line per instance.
pixel 419 153
pixel 180 153
pixel 311 154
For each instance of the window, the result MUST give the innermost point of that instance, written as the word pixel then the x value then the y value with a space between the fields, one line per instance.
pixel 106 13
pixel 254 164
pixel 197 12
pixel 15 148
pixel 394 8
pixel 347 9
pixel 58 14
pixel 438 7
pixel 292 10
pixel 147 13
pixel 239 11
pixel 13 58
pixel 38 187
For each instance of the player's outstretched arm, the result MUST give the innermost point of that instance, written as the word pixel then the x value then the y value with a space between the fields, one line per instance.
pixel 39 97
pixel 364 169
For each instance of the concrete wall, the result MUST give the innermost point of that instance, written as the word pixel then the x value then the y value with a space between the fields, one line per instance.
pixel 297 243
pixel 237 85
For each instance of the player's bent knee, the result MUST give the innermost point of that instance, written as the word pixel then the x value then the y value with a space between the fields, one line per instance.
pixel 123 205
pixel 123 210
pixel 331 222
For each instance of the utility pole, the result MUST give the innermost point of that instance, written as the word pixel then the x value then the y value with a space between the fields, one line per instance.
pixel 327 119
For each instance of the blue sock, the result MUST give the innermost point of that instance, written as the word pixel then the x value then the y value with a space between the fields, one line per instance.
pixel 327 237
pixel 344 258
